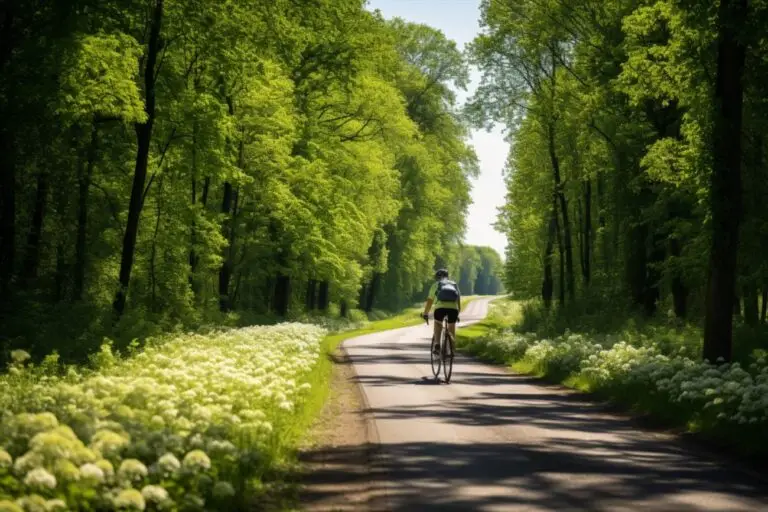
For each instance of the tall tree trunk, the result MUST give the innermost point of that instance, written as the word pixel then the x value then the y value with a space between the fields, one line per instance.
pixel 143 139
pixel 373 287
pixel 282 294
pixel 83 185
pixel 343 308
pixel 361 299
pixel 679 290
pixel 153 250
pixel 750 304
pixel 310 299
pixel 736 305
pixel 651 292
pixel 559 236
pixel 637 263
pixel 193 257
pixel 32 257
pixel 548 285
pixel 725 187
pixel 568 248
pixel 580 236
pixel 764 305
pixel 587 231
pixel 225 272
pixel 323 296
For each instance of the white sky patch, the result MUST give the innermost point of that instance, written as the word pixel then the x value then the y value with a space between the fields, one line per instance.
pixel 459 20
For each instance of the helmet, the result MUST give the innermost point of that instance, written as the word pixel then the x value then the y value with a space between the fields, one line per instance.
pixel 440 274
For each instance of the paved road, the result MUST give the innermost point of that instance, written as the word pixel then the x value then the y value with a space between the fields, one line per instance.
pixel 495 441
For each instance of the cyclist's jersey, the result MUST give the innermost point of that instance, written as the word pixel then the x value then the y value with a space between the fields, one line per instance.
pixel 439 304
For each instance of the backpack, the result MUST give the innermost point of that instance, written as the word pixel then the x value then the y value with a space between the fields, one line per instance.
pixel 447 291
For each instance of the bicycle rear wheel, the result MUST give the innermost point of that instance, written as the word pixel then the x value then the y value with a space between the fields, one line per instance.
pixel 435 358
pixel 448 357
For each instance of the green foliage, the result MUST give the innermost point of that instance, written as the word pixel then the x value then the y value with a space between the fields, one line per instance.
pixel 612 110
pixel 298 152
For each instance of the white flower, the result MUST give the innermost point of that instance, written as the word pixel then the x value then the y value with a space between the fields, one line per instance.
pixel 40 478
pixel 19 356
pixel 130 499
pixel 154 494
pixel 55 505
pixel 132 469
pixel 92 472
pixel 6 461
pixel 196 460
pixel 169 463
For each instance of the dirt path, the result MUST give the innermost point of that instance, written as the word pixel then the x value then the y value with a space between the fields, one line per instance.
pixel 338 459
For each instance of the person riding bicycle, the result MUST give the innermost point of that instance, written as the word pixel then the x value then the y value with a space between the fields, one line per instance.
pixel 445 295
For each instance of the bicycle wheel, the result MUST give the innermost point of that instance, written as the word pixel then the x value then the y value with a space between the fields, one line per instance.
pixel 435 358
pixel 448 357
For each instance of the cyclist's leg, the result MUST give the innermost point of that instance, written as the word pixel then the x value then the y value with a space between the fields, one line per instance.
pixel 439 315
pixel 452 315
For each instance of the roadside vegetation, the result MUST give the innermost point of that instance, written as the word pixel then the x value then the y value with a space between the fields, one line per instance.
pixel 652 369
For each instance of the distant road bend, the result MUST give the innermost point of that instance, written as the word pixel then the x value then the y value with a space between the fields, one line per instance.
pixel 495 441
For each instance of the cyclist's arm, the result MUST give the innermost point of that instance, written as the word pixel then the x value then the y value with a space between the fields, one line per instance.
pixel 428 305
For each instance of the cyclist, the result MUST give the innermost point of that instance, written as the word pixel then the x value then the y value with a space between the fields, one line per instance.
pixel 444 294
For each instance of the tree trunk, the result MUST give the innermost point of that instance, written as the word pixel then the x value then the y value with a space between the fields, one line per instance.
pixel 310 299
pixel 637 263
pixel 193 257
pixel 322 296
pixel 32 258
pixel 225 272
pixel 725 187
pixel 587 231
pixel 372 289
pixel 651 292
pixel 343 308
pixel 361 300
pixel 736 305
pixel 559 236
pixel 547 287
pixel 84 185
pixel 679 290
pixel 153 250
pixel 282 294
pixel 764 306
pixel 143 139
pixel 750 304
pixel 580 236
pixel 568 248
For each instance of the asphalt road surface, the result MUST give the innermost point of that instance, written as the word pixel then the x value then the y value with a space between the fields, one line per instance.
pixel 491 440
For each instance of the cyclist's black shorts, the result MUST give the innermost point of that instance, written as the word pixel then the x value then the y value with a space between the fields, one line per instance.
pixel 452 314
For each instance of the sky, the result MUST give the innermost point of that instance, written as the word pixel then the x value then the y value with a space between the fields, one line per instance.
pixel 458 20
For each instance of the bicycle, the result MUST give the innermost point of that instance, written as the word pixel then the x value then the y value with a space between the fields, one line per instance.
pixel 445 356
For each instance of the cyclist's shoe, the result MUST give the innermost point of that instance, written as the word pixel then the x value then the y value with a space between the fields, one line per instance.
pixel 436 349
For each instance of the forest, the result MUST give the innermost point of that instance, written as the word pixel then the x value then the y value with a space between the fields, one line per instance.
pixel 638 162
pixel 171 163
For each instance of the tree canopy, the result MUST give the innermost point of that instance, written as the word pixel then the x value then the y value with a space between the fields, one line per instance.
pixel 165 160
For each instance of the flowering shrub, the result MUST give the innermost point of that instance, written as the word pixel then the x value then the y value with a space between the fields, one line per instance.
pixel 727 401
pixel 182 424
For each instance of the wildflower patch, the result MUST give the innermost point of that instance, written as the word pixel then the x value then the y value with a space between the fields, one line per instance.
pixel 726 402
pixel 187 423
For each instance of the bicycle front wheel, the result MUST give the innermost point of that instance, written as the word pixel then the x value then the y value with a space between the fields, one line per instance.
pixel 435 358
pixel 448 357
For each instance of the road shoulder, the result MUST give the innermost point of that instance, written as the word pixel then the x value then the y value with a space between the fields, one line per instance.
pixel 338 454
